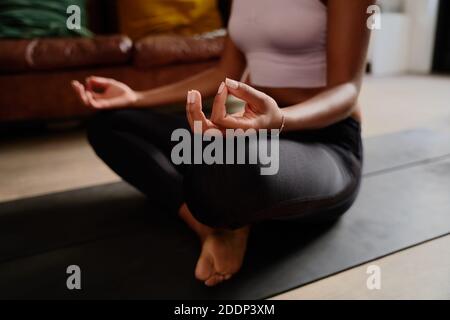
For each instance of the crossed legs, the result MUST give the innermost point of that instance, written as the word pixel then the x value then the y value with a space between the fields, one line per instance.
pixel 221 202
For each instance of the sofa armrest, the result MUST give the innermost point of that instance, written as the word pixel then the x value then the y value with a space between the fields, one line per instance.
pixel 163 50
pixel 63 53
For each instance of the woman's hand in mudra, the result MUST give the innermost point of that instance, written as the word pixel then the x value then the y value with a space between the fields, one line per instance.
pixel 105 93
pixel 261 111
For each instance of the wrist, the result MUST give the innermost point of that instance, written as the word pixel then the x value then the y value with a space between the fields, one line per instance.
pixel 284 120
pixel 281 125
pixel 290 123
pixel 139 99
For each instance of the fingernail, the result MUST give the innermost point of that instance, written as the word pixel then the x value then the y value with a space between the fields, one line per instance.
pixel 232 84
pixel 191 97
pixel 222 86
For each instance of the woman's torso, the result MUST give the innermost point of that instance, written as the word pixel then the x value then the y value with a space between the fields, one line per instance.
pixel 285 45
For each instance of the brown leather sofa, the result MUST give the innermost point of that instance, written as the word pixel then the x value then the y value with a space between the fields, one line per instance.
pixel 35 74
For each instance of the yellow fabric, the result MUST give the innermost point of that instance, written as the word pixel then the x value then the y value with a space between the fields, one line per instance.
pixel 138 18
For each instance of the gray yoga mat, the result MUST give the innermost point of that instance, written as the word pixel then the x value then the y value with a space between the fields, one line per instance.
pixel 128 249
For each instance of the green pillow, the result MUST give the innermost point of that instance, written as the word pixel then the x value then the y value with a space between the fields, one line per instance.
pixel 27 19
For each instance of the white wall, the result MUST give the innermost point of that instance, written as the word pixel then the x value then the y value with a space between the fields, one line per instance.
pixel 406 41
pixel 423 18
pixel 389 49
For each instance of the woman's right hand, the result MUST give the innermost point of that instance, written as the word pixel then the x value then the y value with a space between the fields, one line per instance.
pixel 104 93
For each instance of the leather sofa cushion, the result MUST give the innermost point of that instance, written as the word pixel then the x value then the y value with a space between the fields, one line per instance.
pixel 63 53
pixel 171 49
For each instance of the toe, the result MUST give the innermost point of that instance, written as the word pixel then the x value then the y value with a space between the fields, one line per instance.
pixel 213 281
pixel 205 268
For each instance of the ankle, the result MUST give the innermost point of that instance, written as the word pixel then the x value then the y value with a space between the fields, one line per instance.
pixel 236 233
pixel 202 230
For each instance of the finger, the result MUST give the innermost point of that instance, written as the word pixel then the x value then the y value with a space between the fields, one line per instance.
pixel 246 92
pixel 219 114
pixel 235 121
pixel 91 101
pixel 188 113
pixel 96 95
pixel 219 108
pixel 81 92
pixel 100 81
pixel 91 89
pixel 195 110
pixel 98 104
pixel 238 114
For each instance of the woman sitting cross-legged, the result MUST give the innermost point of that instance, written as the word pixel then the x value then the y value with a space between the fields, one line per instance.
pixel 305 61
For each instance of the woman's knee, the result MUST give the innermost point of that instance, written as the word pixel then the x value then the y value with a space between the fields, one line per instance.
pixel 97 129
pixel 222 196
pixel 102 127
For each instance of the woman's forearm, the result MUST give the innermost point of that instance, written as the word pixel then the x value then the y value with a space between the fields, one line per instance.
pixel 206 82
pixel 326 108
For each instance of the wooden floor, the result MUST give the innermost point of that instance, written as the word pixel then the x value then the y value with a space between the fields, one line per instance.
pixel 421 272
pixel 60 161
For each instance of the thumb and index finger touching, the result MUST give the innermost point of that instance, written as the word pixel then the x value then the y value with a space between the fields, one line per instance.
pixel 242 91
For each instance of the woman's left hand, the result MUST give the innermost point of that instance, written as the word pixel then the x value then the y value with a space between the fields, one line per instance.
pixel 261 111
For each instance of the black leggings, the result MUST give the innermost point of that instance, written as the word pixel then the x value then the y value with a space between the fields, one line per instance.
pixel 318 178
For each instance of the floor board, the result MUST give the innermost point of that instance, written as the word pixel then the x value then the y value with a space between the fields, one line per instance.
pixel 421 272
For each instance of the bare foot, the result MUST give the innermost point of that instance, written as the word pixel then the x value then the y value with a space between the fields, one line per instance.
pixel 222 255
pixel 222 250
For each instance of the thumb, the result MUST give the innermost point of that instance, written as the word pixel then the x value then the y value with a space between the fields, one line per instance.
pixel 246 92
pixel 194 110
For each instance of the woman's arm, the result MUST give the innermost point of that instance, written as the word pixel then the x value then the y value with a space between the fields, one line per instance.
pixel 232 64
pixel 348 38
pixel 103 93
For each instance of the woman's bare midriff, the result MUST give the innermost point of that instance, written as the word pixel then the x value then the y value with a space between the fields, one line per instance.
pixel 290 96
